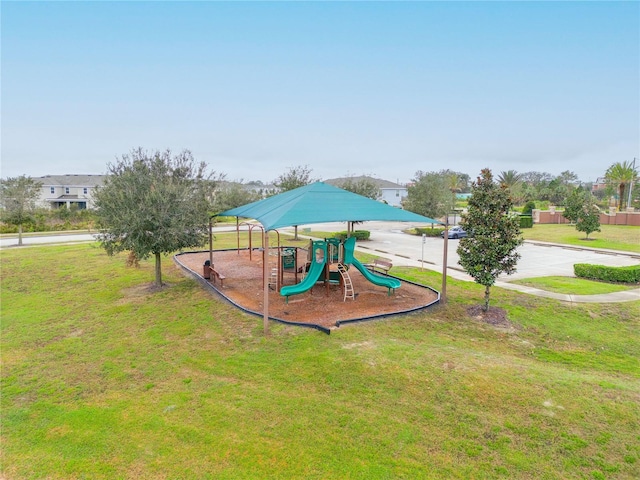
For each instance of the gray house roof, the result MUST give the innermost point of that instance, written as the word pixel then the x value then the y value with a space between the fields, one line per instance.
pixel 71 180
pixel 338 182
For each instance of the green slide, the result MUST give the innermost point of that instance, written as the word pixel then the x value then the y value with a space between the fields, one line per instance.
pixel 376 279
pixel 319 256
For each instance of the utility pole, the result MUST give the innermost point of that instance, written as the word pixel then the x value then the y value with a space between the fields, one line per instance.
pixel 633 169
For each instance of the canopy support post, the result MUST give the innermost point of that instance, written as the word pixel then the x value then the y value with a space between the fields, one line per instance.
pixel 265 280
pixel 211 241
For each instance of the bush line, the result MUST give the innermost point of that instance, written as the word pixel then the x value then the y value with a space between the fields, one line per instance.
pixel 608 274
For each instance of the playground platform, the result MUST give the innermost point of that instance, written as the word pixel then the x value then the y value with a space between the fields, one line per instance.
pixel 322 306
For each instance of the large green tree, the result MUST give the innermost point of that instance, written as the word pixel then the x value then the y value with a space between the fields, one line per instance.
pixel 154 203
pixel 620 175
pixel 294 177
pixel 363 185
pixel 494 233
pixel 430 194
pixel 18 196
pixel 230 195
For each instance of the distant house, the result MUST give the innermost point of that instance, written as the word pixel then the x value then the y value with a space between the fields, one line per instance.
pixel 67 190
pixel 600 184
pixel 392 193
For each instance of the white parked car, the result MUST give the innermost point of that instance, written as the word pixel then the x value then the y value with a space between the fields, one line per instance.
pixel 455 232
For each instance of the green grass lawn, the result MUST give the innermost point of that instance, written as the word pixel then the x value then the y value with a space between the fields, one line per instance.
pixel 614 237
pixel 103 378
pixel 573 286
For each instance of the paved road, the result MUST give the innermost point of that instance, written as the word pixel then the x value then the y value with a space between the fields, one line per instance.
pixel 46 239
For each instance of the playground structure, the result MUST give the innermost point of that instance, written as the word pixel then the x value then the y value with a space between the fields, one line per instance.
pixel 322 255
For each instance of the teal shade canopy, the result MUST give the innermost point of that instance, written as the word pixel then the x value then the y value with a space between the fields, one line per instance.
pixel 320 203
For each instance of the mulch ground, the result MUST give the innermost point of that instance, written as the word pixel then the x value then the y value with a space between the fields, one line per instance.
pixel 493 316
pixel 320 305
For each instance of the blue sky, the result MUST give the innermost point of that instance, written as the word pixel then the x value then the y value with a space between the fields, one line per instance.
pixel 382 88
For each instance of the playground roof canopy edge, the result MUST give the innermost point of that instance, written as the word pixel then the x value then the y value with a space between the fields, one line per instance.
pixel 320 203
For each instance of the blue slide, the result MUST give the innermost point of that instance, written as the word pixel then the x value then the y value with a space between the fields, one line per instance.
pixel 376 279
pixel 316 269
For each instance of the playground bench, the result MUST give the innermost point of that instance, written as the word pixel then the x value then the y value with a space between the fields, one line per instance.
pixel 380 264
pixel 215 274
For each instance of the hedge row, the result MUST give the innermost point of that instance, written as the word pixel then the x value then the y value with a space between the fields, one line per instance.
pixel 526 221
pixel 608 274
pixel 359 234
pixel 429 232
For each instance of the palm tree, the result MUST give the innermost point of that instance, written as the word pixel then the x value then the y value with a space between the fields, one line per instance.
pixel 621 174
pixel 455 182
pixel 513 181
pixel 510 178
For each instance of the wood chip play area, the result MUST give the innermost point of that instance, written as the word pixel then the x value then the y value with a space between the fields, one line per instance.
pixel 239 278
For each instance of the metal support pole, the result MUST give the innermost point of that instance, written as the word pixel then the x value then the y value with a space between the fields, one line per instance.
pixel 265 278
pixel 210 242
pixel 443 294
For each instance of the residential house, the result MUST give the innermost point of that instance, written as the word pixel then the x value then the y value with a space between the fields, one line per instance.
pixel 66 190
pixel 391 193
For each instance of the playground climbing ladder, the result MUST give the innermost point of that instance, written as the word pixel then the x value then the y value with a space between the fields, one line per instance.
pixel 346 281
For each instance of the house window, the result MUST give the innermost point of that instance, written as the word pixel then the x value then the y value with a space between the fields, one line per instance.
pixel 397 193
pixel 85 190
pixel 53 190
pixel 66 190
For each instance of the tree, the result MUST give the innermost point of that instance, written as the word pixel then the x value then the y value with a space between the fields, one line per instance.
pixel 621 175
pixel 513 181
pixel 18 196
pixel 154 203
pixel 588 220
pixel 574 204
pixel 455 183
pixel 510 178
pixel 230 195
pixel 495 234
pixel 364 186
pixel 535 185
pixel 430 194
pixel 293 178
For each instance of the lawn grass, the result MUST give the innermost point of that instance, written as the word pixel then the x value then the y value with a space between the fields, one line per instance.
pixel 103 378
pixel 613 237
pixel 573 286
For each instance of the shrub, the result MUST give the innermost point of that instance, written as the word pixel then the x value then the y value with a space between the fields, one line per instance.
pixel 528 208
pixel 429 232
pixel 359 234
pixel 526 221
pixel 608 274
